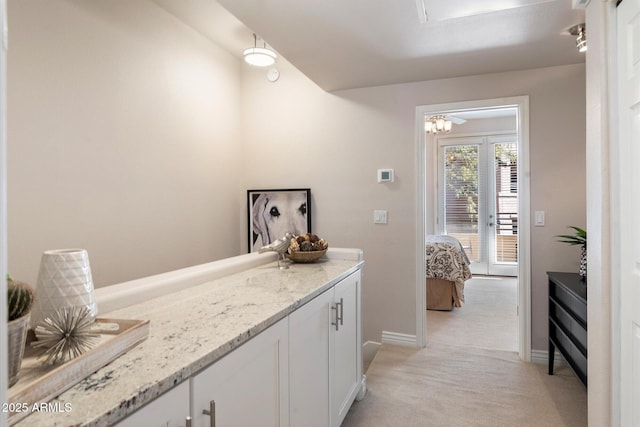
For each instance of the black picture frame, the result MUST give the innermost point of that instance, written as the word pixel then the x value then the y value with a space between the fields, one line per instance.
pixel 271 213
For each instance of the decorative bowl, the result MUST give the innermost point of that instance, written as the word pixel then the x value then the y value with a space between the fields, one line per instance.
pixel 306 256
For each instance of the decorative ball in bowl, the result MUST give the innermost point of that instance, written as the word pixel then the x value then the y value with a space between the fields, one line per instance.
pixel 307 248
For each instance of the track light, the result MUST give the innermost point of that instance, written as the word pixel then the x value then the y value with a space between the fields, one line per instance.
pixel 580 31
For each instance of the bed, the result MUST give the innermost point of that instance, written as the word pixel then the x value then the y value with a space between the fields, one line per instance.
pixel 447 270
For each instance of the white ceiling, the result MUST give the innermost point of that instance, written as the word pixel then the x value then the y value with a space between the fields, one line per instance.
pixel 485 113
pixel 358 43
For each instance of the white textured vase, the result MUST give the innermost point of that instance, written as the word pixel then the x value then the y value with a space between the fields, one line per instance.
pixel 64 280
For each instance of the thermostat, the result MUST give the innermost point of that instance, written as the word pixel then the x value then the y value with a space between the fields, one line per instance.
pixel 385 175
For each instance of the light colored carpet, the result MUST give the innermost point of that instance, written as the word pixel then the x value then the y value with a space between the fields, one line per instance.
pixel 458 380
pixel 487 319
pixel 453 386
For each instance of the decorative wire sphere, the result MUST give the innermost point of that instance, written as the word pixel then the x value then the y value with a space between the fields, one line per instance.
pixel 66 334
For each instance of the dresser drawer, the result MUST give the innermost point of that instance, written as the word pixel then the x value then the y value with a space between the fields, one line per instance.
pixel 570 302
pixel 573 355
pixel 568 321
pixel 574 329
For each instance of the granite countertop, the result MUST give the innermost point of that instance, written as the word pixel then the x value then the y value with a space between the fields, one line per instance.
pixel 189 330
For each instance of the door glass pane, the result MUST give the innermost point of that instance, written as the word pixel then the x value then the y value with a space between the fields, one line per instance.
pixel 461 197
pixel 506 203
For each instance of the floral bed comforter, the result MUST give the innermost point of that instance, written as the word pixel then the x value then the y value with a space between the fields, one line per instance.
pixel 446 259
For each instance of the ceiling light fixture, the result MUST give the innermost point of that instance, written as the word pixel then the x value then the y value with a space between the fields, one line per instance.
pixel 580 31
pixel 259 56
pixel 437 124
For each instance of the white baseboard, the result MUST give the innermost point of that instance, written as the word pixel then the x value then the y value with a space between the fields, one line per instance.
pixel 395 338
pixel 369 350
pixel 542 357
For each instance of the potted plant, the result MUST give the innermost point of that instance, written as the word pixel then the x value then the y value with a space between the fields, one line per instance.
pixel 19 302
pixel 577 238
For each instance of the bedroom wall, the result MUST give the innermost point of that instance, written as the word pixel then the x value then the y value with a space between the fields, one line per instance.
pixel 296 135
pixel 122 139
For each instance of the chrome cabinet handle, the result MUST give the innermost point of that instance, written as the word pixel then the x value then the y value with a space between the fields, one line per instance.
pixel 336 323
pixel 339 308
pixel 211 412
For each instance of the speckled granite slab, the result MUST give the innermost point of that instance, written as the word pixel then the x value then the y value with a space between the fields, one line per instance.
pixel 189 330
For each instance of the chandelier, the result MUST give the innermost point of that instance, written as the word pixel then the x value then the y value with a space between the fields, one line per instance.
pixel 437 124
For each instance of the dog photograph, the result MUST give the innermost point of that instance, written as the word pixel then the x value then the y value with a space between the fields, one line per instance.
pixel 273 213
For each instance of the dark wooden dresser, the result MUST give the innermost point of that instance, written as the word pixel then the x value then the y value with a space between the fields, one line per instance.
pixel 568 321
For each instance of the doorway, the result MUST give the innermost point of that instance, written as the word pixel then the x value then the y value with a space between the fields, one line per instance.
pixel 477 190
pixel 428 205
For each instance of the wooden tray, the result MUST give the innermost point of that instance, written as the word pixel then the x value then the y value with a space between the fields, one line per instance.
pixel 40 383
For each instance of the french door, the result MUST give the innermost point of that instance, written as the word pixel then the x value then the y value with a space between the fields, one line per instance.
pixel 478 199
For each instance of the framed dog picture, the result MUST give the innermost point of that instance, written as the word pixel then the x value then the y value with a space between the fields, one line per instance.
pixel 273 213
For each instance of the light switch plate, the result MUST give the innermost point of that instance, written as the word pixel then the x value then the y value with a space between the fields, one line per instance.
pixel 539 218
pixel 379 217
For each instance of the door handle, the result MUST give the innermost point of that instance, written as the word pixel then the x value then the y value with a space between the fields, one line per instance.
pixel 211 412
pixel 341 318
pixel 337 322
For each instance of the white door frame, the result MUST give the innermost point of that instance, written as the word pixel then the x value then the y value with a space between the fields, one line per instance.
pixel 425 212
pixel 4 385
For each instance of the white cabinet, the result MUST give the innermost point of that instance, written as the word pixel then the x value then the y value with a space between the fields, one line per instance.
pixel 248 387
pixel 303 371
pixel 169 410
pixel 325 359
pixel 346 365
pixel 309 332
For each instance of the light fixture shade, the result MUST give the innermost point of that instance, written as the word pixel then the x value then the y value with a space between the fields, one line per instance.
pixel 259 56
pixel 438 124
pixel 428 127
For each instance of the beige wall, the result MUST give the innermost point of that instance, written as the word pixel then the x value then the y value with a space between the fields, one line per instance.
pixel 335 142
pixel 132 136
pixel 123 139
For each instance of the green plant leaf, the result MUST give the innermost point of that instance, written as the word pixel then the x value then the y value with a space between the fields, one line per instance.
pixel 578 238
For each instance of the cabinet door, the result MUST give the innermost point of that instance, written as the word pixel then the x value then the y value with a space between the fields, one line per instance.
pixel 169 410
pixel 249 386
pixel 347 349
pixel 309 333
